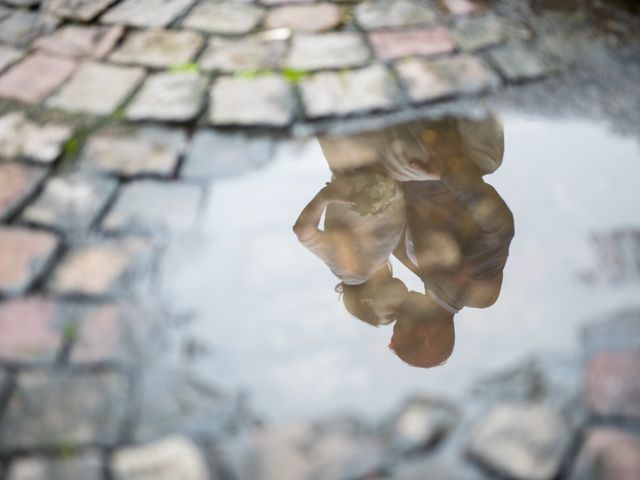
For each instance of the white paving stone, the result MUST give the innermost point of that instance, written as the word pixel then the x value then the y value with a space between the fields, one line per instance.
pixel 225 17
pixel 22 138
pixel 327 50
pixel 158 48
pixel 146 13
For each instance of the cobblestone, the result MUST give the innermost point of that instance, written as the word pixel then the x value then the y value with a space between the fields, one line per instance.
pixel 80 41
pixel 327 50
pixel 264 100
pixel 22 26
pixel 149 205
pixel 70 202
pixel 477 33
pixel 35 77
pixel 97 88
pixel 307 18
pixel 516 63
pixel 174 457
pixel 461 74
pixel 463 7
pixel 32 330
pixel 215 154
pixel 9 55
pixel 63 408
pixel 247 53
pixel 17 184
pixel 100 269
pixel 525 442
pixel 21 138
pixel 87 466
pixel 608 454
pixel 169 96
pixel 391 45
pixel 83 10
pixel 31 252
pixel 376 14
pixel 145 151
pixel 224 17
pixel 146 13
pixel 343 93
pixel 158 48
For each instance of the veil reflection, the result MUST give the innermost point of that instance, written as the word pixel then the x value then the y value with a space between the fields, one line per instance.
pixel 414 191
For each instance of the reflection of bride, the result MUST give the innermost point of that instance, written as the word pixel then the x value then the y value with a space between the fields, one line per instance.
pixel 416 190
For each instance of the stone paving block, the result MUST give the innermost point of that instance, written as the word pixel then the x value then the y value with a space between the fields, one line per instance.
pixel 477 33
pixel 35 77
pixel 215 154
pixel 521 441
pixel 146 13
pixel 149 205
pixel 174 457
pixel 518 63
pixel 80 41
pixel 462 74
pixel 4 12
pixel 344 93
pixel 21 138
pixel 376 14
pixel 31 252
pixel 83 10
pixel 86 466
pixel 433 467
pixel 158 48
pixel 617 332
pixel 17 183
pixel 97 88
pixel 608 454
pixel 9 55
pixel 101 269
pixel 144 151
pixel 280 2
pixel 462 7
pixel 70 202
pixel 264 100
pixel 169 96
pixel 22 3
pixel 307 18
pixel 327 50
pixel 224 17
pixel 63 408
pixel 612 385
pixel 390 45
pixel 21 27
pixel 31 330
pixel 247 53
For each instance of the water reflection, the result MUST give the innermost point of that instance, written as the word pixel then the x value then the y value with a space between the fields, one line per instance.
pixel 414 191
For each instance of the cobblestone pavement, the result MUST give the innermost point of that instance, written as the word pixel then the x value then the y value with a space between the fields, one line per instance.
pixel 110 111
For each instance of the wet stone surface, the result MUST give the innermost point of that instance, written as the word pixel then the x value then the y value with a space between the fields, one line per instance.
pixel 378 14
pixel 86 466
pixel 478 33
pixel 17 183
pixel 515 63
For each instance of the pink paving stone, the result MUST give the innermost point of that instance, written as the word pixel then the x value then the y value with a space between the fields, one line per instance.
pixel 463 7
pixel 307 18
pixel 608 454
pixel 17 183
pixel 30 330
pixel 389 45
pixel 35 77
pixel 77 9
pixel 612 386
pixel 25 254
pixel 99 335
pixel 81 41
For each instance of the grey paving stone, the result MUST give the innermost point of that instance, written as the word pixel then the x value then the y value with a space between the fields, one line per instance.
pixel 22 26
pixel 476 33
pixel 264 100
pixel 462 74
pixel 17 183
pixel 70 202
pixel 521 441
pixel 376 14
pixel 4 12
pixel 518 63
pixel 150 206
pixel 344 93
pixel 158 48
pixel 463 7
pixel 216 154
pixel 97 88
pixel 9 55
pixel 224 17
pixel 80 41
pixel 433 467
pixel 306 18
pixel 608 453
pixel 145 151
pixel 146 13
pixel 327 50
pixel 63 408
pixel 169 96
pixel 84 10
pixel 426 42
pixel 174 457
pixel 87 466
pixel 246 53
pixel 22 138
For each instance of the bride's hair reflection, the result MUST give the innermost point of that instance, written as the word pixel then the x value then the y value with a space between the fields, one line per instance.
pixel 414 191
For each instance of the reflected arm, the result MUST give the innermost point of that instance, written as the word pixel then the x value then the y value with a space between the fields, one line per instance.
pixel 306 225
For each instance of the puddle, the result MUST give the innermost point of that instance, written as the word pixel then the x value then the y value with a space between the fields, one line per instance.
pixel 274 326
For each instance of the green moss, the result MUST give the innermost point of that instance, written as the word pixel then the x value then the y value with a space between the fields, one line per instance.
pixel 189 67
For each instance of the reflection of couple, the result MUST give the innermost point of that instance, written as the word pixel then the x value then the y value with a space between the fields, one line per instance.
pixel 415 191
